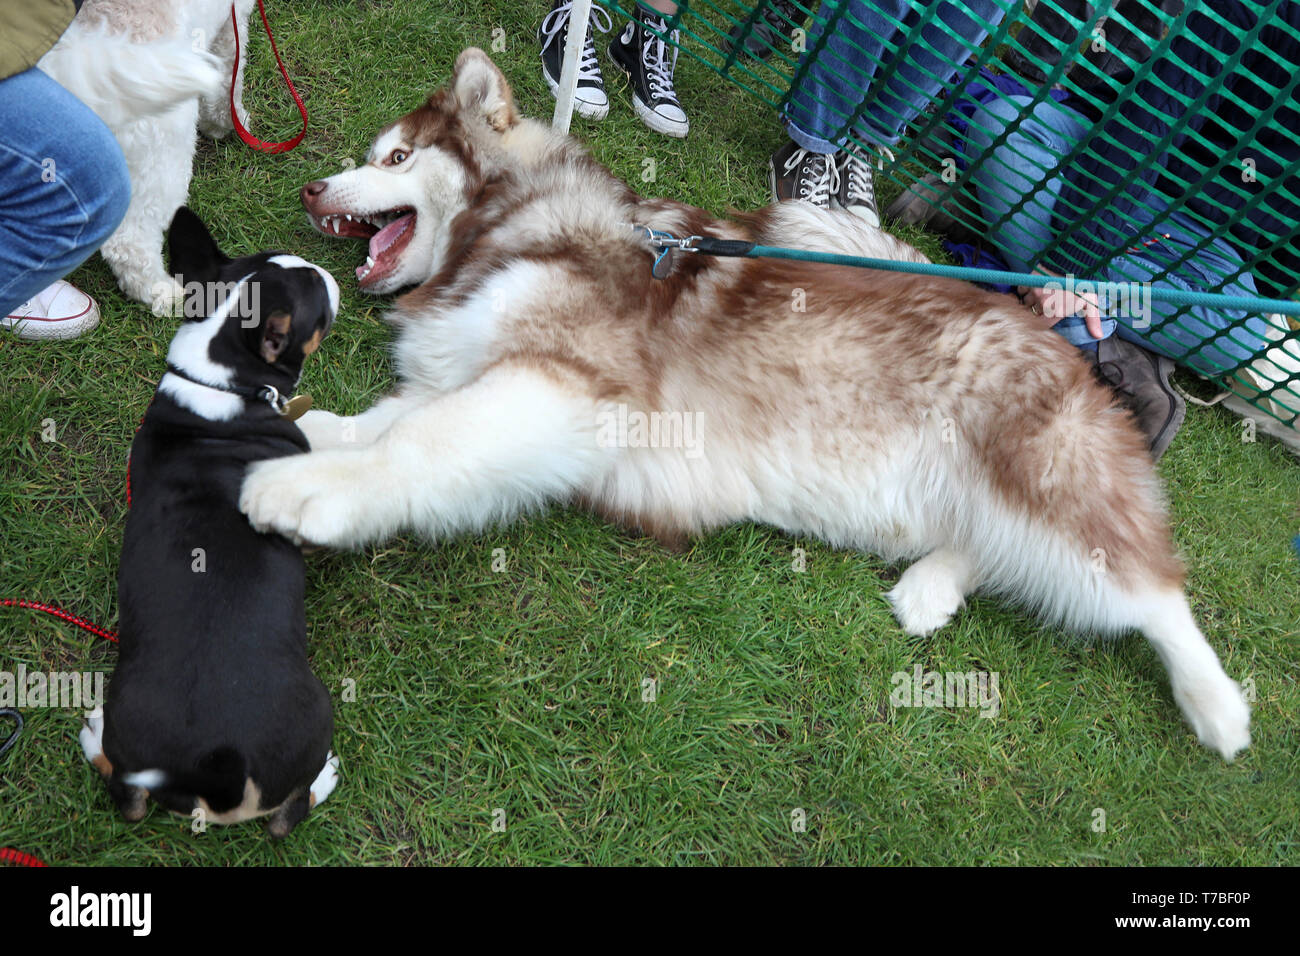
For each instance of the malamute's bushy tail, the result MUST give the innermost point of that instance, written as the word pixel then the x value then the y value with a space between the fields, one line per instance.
pixel 124 81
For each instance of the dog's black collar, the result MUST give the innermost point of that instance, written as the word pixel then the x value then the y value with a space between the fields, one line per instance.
pixel 265 393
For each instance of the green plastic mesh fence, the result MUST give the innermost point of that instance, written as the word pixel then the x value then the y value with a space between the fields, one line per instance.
pixel 1137 143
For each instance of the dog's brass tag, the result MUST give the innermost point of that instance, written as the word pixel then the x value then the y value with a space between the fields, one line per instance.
pixel 296 407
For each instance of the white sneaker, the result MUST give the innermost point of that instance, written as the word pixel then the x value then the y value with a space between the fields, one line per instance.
pixel 1273 381
pixel 61 311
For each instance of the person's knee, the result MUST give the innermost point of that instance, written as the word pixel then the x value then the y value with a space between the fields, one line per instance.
pixel 988 122
pixel 104 190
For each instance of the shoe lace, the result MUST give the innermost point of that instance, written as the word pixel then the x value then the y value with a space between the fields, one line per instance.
pixel 859 184
pixel 557 21
pixel 819 178
pixel 659 69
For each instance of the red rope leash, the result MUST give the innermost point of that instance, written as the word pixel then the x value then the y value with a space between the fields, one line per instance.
pixel 10 855
pixel 248 138
pixel 62 615
pixel 7 853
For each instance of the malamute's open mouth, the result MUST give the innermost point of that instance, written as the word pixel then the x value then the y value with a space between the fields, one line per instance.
pixel 389 233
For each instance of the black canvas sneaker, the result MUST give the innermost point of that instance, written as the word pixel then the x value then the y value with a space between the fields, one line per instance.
pixel 857 192
pixel 589 98
pixel 798 173
pixel 649 64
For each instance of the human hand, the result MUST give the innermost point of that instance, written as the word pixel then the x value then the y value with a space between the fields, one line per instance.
pixel 1052 305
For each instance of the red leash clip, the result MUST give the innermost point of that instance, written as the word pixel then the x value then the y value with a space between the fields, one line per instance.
pixel 248 138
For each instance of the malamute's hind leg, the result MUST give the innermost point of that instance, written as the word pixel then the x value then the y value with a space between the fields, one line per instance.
pixel 932 590
pixel 1080 534
pixel 1140 588
pixel 1211 701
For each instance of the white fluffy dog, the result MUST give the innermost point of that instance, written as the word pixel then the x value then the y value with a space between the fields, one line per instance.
pixel 152 71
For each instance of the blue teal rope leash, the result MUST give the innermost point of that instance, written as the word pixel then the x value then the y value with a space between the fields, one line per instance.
pixel 708 245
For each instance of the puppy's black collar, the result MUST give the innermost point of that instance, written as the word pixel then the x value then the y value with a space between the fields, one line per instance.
pixel 265 393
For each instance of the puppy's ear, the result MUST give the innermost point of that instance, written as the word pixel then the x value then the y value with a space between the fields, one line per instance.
pixel 193 252
pixel 482 89
pixel 275 335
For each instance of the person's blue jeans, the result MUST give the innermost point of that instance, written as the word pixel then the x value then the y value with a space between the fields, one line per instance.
pixel 64 185
pixel 827 104
pixel 1019 167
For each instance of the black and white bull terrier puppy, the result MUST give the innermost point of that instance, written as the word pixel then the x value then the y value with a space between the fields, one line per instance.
pixel 213 705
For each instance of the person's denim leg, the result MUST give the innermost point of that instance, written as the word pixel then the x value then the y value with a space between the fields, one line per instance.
pixel 1003 177
pixel 1210 340
pixel 820 112
pixel 64 185
pixel 1016 169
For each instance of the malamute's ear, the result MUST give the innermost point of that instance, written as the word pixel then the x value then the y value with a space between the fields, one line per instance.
pixel 193 252
pixel 482 89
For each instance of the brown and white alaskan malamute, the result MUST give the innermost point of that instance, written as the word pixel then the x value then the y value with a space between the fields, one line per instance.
pixel 917 418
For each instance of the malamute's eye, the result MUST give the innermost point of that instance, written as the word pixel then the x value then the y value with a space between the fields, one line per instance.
pixel 397 157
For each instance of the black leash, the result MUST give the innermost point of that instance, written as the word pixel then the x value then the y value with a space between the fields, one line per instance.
pixel 18 729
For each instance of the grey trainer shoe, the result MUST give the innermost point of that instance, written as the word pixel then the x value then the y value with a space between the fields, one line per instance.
pixel 918 206
pixel 775 25
pixel 1141 378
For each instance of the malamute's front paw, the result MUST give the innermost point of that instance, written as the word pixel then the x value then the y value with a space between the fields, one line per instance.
pixel 321 498
pixel 215 120
pixel 164 296
pixel 323 429
pixel 1218 713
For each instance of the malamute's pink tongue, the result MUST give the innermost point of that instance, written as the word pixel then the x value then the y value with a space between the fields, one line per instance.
pixel 388 235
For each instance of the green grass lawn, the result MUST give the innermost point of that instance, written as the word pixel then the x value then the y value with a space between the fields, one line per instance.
pixel 521 690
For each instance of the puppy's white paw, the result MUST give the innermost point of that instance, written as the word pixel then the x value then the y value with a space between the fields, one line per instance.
pixel 928 594
pixel 92 736
pixel 325 781
pixel 92 742
pixel 1218 713
pixel 320 498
